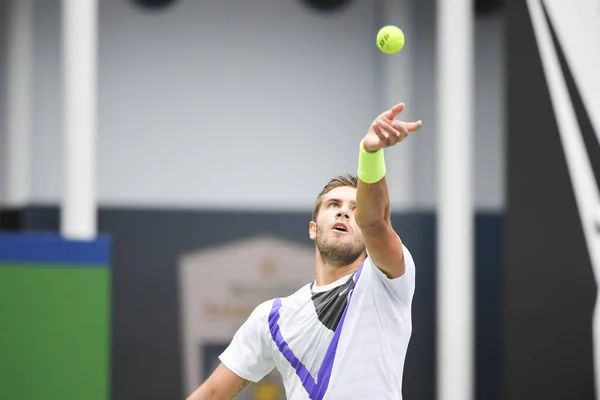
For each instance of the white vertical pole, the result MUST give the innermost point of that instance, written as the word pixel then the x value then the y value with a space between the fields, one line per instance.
pixel 397 87
pixel 18 103
pixel 78 210
pixel 455 250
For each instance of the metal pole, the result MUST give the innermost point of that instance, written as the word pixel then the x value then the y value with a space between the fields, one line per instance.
pixel 78 209
pixel 455 249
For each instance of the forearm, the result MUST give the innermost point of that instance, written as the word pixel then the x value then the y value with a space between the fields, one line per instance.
pixel 372 204
pixel 372 199
pixel 202 393
pixel 208 391
pixel 373 217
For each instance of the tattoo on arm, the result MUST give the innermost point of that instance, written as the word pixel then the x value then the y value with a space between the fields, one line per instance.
pixel 243 386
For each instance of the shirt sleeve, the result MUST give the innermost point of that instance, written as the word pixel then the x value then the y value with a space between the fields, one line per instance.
pixel 401 288
pixel 249 353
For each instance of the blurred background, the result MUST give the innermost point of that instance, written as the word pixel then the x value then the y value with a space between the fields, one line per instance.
pixel 160 162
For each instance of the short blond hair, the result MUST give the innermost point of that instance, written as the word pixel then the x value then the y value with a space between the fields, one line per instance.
pixel 335 182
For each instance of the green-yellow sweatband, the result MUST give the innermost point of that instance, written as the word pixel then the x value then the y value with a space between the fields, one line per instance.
pixel 371 166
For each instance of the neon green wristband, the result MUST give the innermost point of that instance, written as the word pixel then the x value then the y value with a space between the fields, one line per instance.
pixel 371 166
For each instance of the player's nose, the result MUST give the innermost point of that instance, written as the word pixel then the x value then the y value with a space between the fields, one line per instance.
pixel 343 213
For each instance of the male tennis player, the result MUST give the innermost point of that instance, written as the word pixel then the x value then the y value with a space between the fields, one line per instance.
pixel 345 335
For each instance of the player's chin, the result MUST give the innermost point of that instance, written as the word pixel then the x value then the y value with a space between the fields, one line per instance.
pixel 342 241
pixel 336 242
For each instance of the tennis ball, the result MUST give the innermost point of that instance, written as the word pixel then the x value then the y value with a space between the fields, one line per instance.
pixel 390 39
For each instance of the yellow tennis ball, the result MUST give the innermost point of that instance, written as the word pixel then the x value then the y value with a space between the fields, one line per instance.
pixel 390 39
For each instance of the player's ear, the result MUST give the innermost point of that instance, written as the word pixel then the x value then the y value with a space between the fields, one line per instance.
pixel 312 230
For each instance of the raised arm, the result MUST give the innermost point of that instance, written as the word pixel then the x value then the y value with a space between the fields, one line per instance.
pixel 222 384
pixel 372 198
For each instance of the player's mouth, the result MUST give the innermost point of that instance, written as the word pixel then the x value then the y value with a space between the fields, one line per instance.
pixel 340 227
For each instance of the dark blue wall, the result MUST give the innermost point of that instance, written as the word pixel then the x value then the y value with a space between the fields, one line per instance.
pixel 147 244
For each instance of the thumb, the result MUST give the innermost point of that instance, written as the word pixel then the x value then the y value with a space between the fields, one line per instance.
pixel 394 111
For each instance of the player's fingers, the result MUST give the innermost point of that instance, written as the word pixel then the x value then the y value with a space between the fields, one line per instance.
pixel 413 126
pixel 394 111
pixel 394 134
pixel 401 127
pixel 381 134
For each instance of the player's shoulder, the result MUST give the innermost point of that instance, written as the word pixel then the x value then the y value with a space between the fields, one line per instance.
pixel 263 310
pixel 298 294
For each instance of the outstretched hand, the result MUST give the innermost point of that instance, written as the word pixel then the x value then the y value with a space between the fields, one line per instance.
pixel 386 131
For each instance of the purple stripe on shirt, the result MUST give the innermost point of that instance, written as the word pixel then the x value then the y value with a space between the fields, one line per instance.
pixel 315 390
pixel 305 377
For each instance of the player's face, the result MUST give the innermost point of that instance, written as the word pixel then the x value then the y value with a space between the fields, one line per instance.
pixel 335 232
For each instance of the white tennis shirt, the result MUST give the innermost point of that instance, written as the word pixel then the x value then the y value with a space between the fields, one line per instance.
pixel 346 340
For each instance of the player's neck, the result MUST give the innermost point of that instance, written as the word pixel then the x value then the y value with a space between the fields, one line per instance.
pixel 327 273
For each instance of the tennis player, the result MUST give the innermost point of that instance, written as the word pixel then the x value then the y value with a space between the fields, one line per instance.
pixel 345 335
